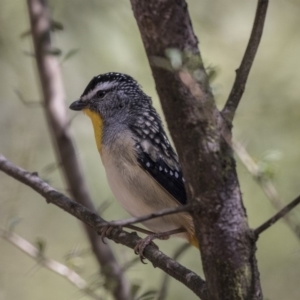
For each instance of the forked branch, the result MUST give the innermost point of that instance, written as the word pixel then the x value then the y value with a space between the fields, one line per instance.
pixel 278 216
pixel 270 191
pixel 244 69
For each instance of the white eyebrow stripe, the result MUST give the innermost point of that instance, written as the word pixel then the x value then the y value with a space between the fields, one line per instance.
pixel 103 86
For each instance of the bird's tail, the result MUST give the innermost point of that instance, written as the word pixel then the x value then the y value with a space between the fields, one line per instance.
pixel 194 241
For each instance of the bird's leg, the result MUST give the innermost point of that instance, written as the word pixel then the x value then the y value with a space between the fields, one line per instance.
pixel 106 230
pixel 142 244
pixel 139 229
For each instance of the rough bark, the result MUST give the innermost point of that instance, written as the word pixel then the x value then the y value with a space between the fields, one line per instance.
pixel 202 141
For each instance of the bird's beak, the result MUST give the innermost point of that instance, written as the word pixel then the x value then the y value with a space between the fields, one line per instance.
pixel 78 105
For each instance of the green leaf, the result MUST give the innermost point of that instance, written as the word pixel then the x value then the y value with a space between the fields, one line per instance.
pixel 55 25
pixel 41 245
pixel 134 289
pixel 25 33
pixel 55 52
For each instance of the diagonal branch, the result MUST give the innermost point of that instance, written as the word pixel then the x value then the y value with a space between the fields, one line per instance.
pixel 161 213
pixel 162 294
pixel 48 263
pixel 266 185
pixel 243 71
pixel 55 109
pixel 277 217
pixel 156 257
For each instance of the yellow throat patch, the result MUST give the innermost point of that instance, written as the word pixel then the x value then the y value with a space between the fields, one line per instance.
pixel 98 126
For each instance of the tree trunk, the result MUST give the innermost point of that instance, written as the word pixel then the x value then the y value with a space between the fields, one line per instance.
pixel 202 139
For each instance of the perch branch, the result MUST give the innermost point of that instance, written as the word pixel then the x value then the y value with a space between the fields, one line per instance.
pixel 166 280
pixel 156 257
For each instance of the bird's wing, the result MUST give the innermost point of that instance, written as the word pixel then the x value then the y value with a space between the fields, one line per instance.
pixel 169 178
pixel 157 157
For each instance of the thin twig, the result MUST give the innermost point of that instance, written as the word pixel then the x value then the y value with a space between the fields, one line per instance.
pixel 158 259
pixel 48 263
pixel 162 294
pixel 161 213
pixel 243 71
pixel 51 167
pixel 27 102
pixel 277 216
pixel 139 229
pixel 58 122
pixel 266 185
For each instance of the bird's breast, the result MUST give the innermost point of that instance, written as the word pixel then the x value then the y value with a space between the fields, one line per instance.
pixel 97 122
pixel 125 179
pixel 138 192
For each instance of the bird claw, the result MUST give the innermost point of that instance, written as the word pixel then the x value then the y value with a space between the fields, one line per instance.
pixel 142 244
pixel 105 232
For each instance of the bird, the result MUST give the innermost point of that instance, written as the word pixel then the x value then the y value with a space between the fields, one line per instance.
pixel 141 166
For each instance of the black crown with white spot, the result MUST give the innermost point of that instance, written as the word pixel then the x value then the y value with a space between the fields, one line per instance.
pixel 110 77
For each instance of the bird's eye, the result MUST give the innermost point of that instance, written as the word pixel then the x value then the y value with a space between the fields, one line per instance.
pixel 100 94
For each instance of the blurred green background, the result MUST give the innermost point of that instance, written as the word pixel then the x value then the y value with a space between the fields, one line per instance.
pixel 105 32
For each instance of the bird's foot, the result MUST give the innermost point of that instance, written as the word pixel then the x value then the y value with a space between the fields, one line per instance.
pixel 142 244
pixel 106 230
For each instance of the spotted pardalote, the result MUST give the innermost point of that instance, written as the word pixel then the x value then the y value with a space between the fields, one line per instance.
pixel 141 166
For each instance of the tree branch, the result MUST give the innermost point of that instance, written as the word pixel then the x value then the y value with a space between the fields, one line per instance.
pixel 55 109
pixel 161 213
pixel 156 257
pixel 277 216
pixel 48 263
pixel 266 185
pixel 162 294
pixel 243 71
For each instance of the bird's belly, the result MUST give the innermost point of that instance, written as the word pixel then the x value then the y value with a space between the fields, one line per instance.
pixel 133 202
pixel 139 195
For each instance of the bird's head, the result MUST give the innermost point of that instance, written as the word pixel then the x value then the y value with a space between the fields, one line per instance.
pixel 114 96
